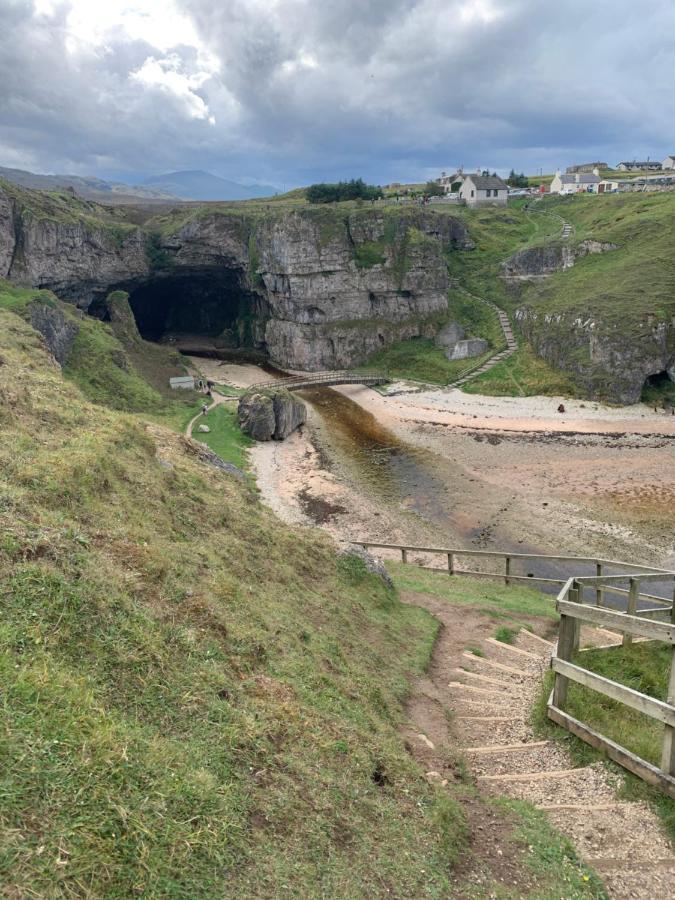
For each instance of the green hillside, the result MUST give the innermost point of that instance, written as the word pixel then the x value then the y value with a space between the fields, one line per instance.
pixel 195 698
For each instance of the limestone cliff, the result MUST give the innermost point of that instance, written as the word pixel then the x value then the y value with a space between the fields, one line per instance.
pixel 316 288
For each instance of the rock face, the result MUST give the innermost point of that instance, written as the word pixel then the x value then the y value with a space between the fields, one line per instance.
pixel 273 414
pixel 600 357
pixel 535 262
pixel 338 290
pixel 57 330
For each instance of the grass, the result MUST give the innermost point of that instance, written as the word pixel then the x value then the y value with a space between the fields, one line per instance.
pixel 226 439
pixel 462 590
pixel 643 666
pixel 552 858
pixel 524 374
pixel 506 635
pixel 419 359
pixel 196 698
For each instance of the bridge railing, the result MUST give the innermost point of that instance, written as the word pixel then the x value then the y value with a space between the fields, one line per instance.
pixel 319 378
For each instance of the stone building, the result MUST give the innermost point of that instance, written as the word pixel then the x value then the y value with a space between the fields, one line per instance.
pixel 483 190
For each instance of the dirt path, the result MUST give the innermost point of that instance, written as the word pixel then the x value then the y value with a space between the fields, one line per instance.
pixel 490 698
pixel 217 399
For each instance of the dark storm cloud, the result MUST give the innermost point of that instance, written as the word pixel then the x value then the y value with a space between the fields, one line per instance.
pixel 294 90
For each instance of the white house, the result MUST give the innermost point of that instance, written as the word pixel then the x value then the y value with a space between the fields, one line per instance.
pixel 575 183
pixel 451 183
pixel 668 162
pixel 645 165
pixel 483 190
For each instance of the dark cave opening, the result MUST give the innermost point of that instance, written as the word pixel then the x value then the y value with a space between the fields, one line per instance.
pixel 208 303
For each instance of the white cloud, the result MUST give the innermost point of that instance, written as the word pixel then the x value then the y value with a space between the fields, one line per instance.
pixel 166 74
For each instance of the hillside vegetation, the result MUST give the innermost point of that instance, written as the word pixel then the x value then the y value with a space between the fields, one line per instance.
pixel 197 700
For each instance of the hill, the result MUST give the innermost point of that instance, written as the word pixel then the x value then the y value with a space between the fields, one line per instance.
pixel 199 701
pixel 198 185
pixel 90 188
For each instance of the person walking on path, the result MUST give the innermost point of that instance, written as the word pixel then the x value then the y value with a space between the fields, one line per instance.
pixel 205 409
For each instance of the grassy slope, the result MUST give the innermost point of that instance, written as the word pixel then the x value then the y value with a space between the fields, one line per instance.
pixel 195 698
pixel 622 285
pixel 225 437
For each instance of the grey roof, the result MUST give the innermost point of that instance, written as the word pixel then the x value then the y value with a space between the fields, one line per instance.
pixel 637 164
pixel 580 178
pixel 488 182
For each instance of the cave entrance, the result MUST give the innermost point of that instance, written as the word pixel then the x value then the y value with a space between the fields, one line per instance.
pixel 659 390
pixel 197 305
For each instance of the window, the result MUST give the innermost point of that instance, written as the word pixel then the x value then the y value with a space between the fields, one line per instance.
pixel 488 193
pixel 472 193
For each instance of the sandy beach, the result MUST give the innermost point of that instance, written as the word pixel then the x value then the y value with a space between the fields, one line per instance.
pixel 472 471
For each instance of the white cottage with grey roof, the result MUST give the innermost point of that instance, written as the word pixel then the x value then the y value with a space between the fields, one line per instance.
pixel 575 182
pixel 484 190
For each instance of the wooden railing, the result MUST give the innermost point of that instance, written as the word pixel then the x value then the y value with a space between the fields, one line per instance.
pixel 633 622
pixel 582 599
pixel 452 554
pixel 324 379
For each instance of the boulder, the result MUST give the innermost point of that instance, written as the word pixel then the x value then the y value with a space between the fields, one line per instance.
pixel 468 349
pixel 58 330
pixel 272 414
pixel 204 429
pixel 448 336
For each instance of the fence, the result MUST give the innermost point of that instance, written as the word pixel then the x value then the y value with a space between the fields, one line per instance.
pixel 640 618
pixel 324 379
pixel 633 622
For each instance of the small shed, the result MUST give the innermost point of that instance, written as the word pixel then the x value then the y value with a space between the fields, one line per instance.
pixel 182 383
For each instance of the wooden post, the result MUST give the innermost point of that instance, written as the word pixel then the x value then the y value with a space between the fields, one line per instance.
pixel 575 595
pixel 451 564
pixel 507 570
pixel 566 637
pixel 404 556
pixel 598 590
pixel 668 749
pixel 633 591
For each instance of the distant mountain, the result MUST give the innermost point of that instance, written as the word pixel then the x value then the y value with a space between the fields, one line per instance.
pixel 89 188
pixel 198 185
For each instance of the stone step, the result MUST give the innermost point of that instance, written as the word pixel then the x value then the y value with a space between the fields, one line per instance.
pixel 491 664
pixel 496 730
pixel 624 832
pixel 564 786
pixel 509 648
pixel 638 882
pixel 533 758
pixel 483 679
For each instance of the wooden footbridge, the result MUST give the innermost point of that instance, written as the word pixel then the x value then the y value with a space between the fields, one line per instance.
pixel 324 379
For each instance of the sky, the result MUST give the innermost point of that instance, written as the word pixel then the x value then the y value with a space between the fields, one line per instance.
pixel 289 92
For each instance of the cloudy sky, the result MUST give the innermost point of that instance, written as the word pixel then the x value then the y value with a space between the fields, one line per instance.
pixel 293 91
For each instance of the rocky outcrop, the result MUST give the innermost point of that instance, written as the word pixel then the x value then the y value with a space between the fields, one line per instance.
pixel 537 262
pixel 273 414
pixel 56 328
pixel 602 359
pixel 468 349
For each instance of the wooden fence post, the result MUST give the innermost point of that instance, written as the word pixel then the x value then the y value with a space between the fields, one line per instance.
pixel 633 591
pixel 507 570
pixel 576 595
pixel 568 640
pixel 668 749
pixel 451 564
pixel 598 590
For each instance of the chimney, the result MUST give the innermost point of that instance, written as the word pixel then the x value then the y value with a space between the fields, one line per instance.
pixel 596 171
